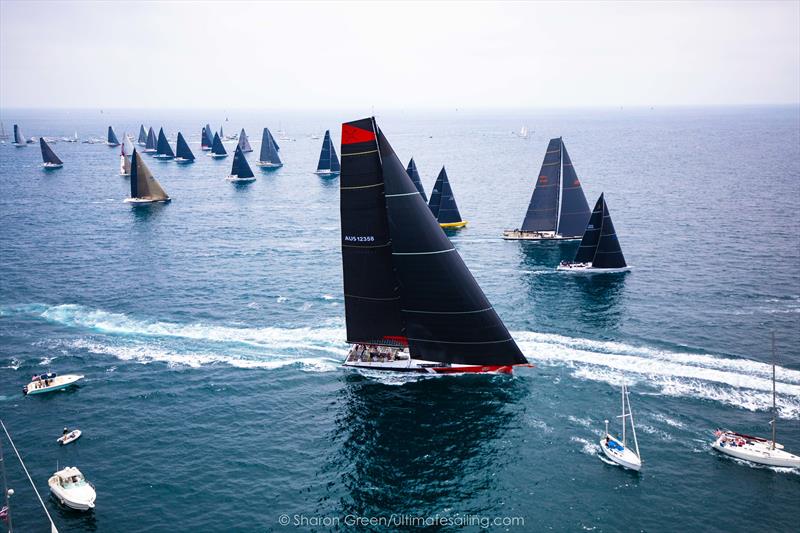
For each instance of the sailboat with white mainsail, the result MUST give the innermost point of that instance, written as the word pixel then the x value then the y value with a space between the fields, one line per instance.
pixel 111 138
pixel 394 251
pixel 49 158
pixel 244 142
pixel 183 154
pixel 145 189
pixel 599 250
pixel 125 153
pixel 328 165
pixel 618 450
pixel 443 203
pixel 757 449
pixel 558 209
pixel 240 170
pixel 268 157
pixel 523 132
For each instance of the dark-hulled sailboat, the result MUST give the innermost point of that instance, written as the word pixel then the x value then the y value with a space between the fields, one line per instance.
pixel 206 139
pixel 183 154
pixel 145 189
pixel 163 149
pixel 558 209
pixel 19 138
pixel 411 303
pixel 268 157
pixel 217 148
pixel 111 139
pixel 443 204
pixel 150 146
pixel 142 141
pixel 125 154
pixel 49 158
pixel 240 170
pixel 328 165
pixel 244 142
pixel 599 250
pixel 411 170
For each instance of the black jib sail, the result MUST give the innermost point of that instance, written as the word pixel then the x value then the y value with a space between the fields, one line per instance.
pixel 244 142
pixel 240 168
pixel 542 212
pixel 163 148
pixel 217 147
pixel 142 136
pixel 328 161
pixel 150 144
pixel 205 139
pixel 600 245
pixel 447 211
pixel 182 150
pixel 411 169
pixel 19 138
pixel 574 210
pixel 48 156
pixel 143 185
pixel 436 196
pixel 404 280
pixel 112 137
pixel 269 153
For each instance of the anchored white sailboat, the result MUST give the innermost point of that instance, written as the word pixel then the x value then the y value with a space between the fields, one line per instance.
pixel 757 449
pixel 618 450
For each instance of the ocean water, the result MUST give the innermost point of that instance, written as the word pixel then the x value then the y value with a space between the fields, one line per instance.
pixel 211 330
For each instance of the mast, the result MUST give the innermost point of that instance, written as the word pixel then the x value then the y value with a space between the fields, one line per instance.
pixel 633 427
pixel 623 413
pixel 560 183
pixel 774 402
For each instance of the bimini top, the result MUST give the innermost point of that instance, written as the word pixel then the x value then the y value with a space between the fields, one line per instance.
pixel 557 203
pixel 404 282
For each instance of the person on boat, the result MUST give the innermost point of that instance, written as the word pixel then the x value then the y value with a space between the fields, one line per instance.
pixel 66 431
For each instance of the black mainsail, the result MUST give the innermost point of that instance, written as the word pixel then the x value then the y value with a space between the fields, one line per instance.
pixel 244 142
pixel 205 138
pixel 411 169
pixel 269 152
pixel 328 161
pixel 143 185
pixel 217 148
pixel 600 245
pixel 404 281
pixel 19 138
pixel 240 168
pixel 49 157
pixel 163 148
pixel 142 136
pixel 112 137
pixel 150 144
pixel 558 204
pixel 182 150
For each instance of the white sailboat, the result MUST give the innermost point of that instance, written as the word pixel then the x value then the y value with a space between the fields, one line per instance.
pixel 523 132
pixel 618 450
pixel 757 449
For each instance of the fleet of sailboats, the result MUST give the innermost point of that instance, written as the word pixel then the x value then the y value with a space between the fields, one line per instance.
pixel 328 165
pixel 558 209
pixel 268 157
pixel 443 203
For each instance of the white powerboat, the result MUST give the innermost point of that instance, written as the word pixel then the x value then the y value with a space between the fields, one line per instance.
pixel 68 437
pixel 50 382
pixel 71 489
pixel 618 450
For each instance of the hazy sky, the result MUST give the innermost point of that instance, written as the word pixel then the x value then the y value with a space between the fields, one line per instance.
pixel 396 55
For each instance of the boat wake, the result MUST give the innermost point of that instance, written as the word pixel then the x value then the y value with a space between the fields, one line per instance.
pixel 732 381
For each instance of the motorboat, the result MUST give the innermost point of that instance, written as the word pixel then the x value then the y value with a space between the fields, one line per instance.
pixel 69 436
pixel 70 488
pixel 50 382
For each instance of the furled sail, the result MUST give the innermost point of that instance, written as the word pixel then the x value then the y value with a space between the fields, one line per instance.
pixel 328 161
pixel 163 148
pixel 151 142
pixel 182 149
pixel 244 142
pixel 205 139
pixel 19 138
pixel 143 185
pixel 542 212
pixel 241 168
pixel 112 137
pixel 444 315
pixel 217 147
pixel 142 136
pixel 48 156
pixel 269 153
pixel 447 212
pixel 414 175
pixel 574 211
